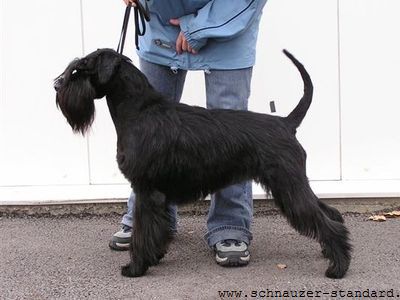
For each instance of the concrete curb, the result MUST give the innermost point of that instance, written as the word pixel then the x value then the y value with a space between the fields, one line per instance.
pixel 118 206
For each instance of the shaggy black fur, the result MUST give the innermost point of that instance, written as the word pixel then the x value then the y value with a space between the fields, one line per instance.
pixel 175 153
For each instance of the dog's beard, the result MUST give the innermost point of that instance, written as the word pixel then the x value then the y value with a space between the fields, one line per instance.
pixel 76 101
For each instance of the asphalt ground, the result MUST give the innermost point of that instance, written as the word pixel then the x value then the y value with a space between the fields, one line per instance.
pixel 68 258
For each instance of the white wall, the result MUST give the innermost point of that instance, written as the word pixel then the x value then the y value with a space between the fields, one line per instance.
pixel 350 133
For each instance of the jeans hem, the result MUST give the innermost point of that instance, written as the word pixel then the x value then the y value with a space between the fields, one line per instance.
pixel 228 232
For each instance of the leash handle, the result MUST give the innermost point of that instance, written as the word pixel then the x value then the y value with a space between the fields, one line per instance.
pixel 121 42
pixel 141 13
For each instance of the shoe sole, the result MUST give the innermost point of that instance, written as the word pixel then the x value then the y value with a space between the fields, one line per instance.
pixel 118 246
pixel 232 261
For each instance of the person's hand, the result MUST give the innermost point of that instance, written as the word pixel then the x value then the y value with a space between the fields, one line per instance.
pixel 131 2
pixel 181 42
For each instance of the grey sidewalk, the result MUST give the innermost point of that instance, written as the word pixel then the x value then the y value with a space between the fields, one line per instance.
pixel 68 258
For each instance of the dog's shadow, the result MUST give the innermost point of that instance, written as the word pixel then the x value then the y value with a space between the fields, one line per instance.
pixel 274 243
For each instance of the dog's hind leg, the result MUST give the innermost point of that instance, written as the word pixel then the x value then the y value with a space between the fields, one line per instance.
pixel 330 211
pixel 294 197
pixel 152 233
pixel 333 214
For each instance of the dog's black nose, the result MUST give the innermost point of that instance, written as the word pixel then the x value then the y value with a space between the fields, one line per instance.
pixel 58 82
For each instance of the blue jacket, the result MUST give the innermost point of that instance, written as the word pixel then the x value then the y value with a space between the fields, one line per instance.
pixel 223 32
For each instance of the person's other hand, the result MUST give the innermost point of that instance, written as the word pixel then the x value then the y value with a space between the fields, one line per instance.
pixel 181 42
pixel 131 2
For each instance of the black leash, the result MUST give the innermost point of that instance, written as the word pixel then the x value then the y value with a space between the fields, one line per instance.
pixel 141 13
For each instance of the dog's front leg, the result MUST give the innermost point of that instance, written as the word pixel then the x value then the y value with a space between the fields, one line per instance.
pixel 151 233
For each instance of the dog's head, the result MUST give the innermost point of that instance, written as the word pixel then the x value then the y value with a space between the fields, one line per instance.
pixel 84 80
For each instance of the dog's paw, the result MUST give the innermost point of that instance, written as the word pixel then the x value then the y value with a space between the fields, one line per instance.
pixel 131 271
pixel 159 258
pixel 336 271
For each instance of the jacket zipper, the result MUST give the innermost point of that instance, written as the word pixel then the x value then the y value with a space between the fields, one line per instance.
pixel 223 24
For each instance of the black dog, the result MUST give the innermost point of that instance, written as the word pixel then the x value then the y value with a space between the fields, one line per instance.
pixel 175 153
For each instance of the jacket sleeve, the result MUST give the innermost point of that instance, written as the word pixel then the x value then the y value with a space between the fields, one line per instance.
pixel 219 19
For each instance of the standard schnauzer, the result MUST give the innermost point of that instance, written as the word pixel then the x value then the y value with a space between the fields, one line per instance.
pixel 176 153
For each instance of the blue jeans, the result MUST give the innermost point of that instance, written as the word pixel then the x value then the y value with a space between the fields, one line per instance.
pixel 231 209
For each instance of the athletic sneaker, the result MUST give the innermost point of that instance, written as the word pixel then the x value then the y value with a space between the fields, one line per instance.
pixel 232 253
pixel 121 239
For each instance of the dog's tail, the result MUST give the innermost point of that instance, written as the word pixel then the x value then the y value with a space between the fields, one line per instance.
pixel 297 115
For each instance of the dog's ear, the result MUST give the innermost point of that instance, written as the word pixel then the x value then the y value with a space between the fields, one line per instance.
pixel 106 66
